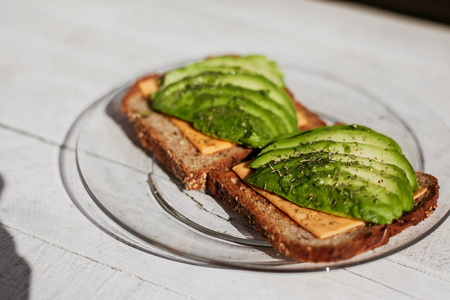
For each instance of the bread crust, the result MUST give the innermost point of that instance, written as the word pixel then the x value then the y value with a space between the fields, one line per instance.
pixel 289 238
pixel 158 134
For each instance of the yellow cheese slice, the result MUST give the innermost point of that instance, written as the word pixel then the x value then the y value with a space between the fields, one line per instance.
pixel 301 119
pixel 318 223
pixel 148 86
pixel 420 192
pixel 205 144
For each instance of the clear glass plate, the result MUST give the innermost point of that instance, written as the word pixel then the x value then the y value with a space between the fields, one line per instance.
pixel 124 191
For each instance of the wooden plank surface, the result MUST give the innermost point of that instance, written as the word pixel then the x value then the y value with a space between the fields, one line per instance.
pixel 58 57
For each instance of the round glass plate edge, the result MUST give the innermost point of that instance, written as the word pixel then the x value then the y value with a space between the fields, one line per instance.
pixel 319 266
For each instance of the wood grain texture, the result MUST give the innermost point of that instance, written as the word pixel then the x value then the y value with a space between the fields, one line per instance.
pixel 59 57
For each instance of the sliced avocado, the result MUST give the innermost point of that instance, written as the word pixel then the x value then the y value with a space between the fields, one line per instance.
pixel 190 105
pixel 256 64
pixel 336 174
pixel 263 62
pixel 187 107
pixel 321 162
pixel 234 124
pixel 318 183
pixel 391 183
pixel 185 104
pixel 355 149
pixel 384 168
pixel 192 70
pixel 388 169
pixel 270 121
pixel 339 133
pixel 231 118
pixel 245 80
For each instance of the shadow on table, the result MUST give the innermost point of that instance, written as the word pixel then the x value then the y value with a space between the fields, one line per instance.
pixel 15 273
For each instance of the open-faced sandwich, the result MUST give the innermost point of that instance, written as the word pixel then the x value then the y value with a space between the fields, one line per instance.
pixel 316 193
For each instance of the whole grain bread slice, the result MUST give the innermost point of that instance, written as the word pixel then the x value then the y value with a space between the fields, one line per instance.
pixel 289 238
pixel 158 134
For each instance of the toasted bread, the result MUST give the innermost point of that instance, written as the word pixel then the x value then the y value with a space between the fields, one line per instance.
pixel 158 134
pixel 289 238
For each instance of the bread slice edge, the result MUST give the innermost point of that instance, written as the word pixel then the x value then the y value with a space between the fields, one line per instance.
pixel 290 239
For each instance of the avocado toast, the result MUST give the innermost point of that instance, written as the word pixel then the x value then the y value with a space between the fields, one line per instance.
pixel 291 239
pixel 243 108
pixel 329 193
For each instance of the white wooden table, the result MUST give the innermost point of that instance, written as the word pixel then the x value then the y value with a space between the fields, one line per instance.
pixel 57 57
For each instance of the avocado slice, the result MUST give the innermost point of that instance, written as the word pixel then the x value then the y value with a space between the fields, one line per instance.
pixel 233 123
pixel 388 169
pixel 391 183
pixel 231 118
pixel 250 81
pixel 256 64
pixel 185 104
pixel 379 154
pixel 192 70
pixel 189 106
pixel 323 162
pixel 263 62
pixel 347 160
pixel 351 171
pixel 339 133
pixel 270 123
pixel 314 181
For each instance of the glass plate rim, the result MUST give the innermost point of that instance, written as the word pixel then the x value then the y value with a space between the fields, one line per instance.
pixel 342 264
